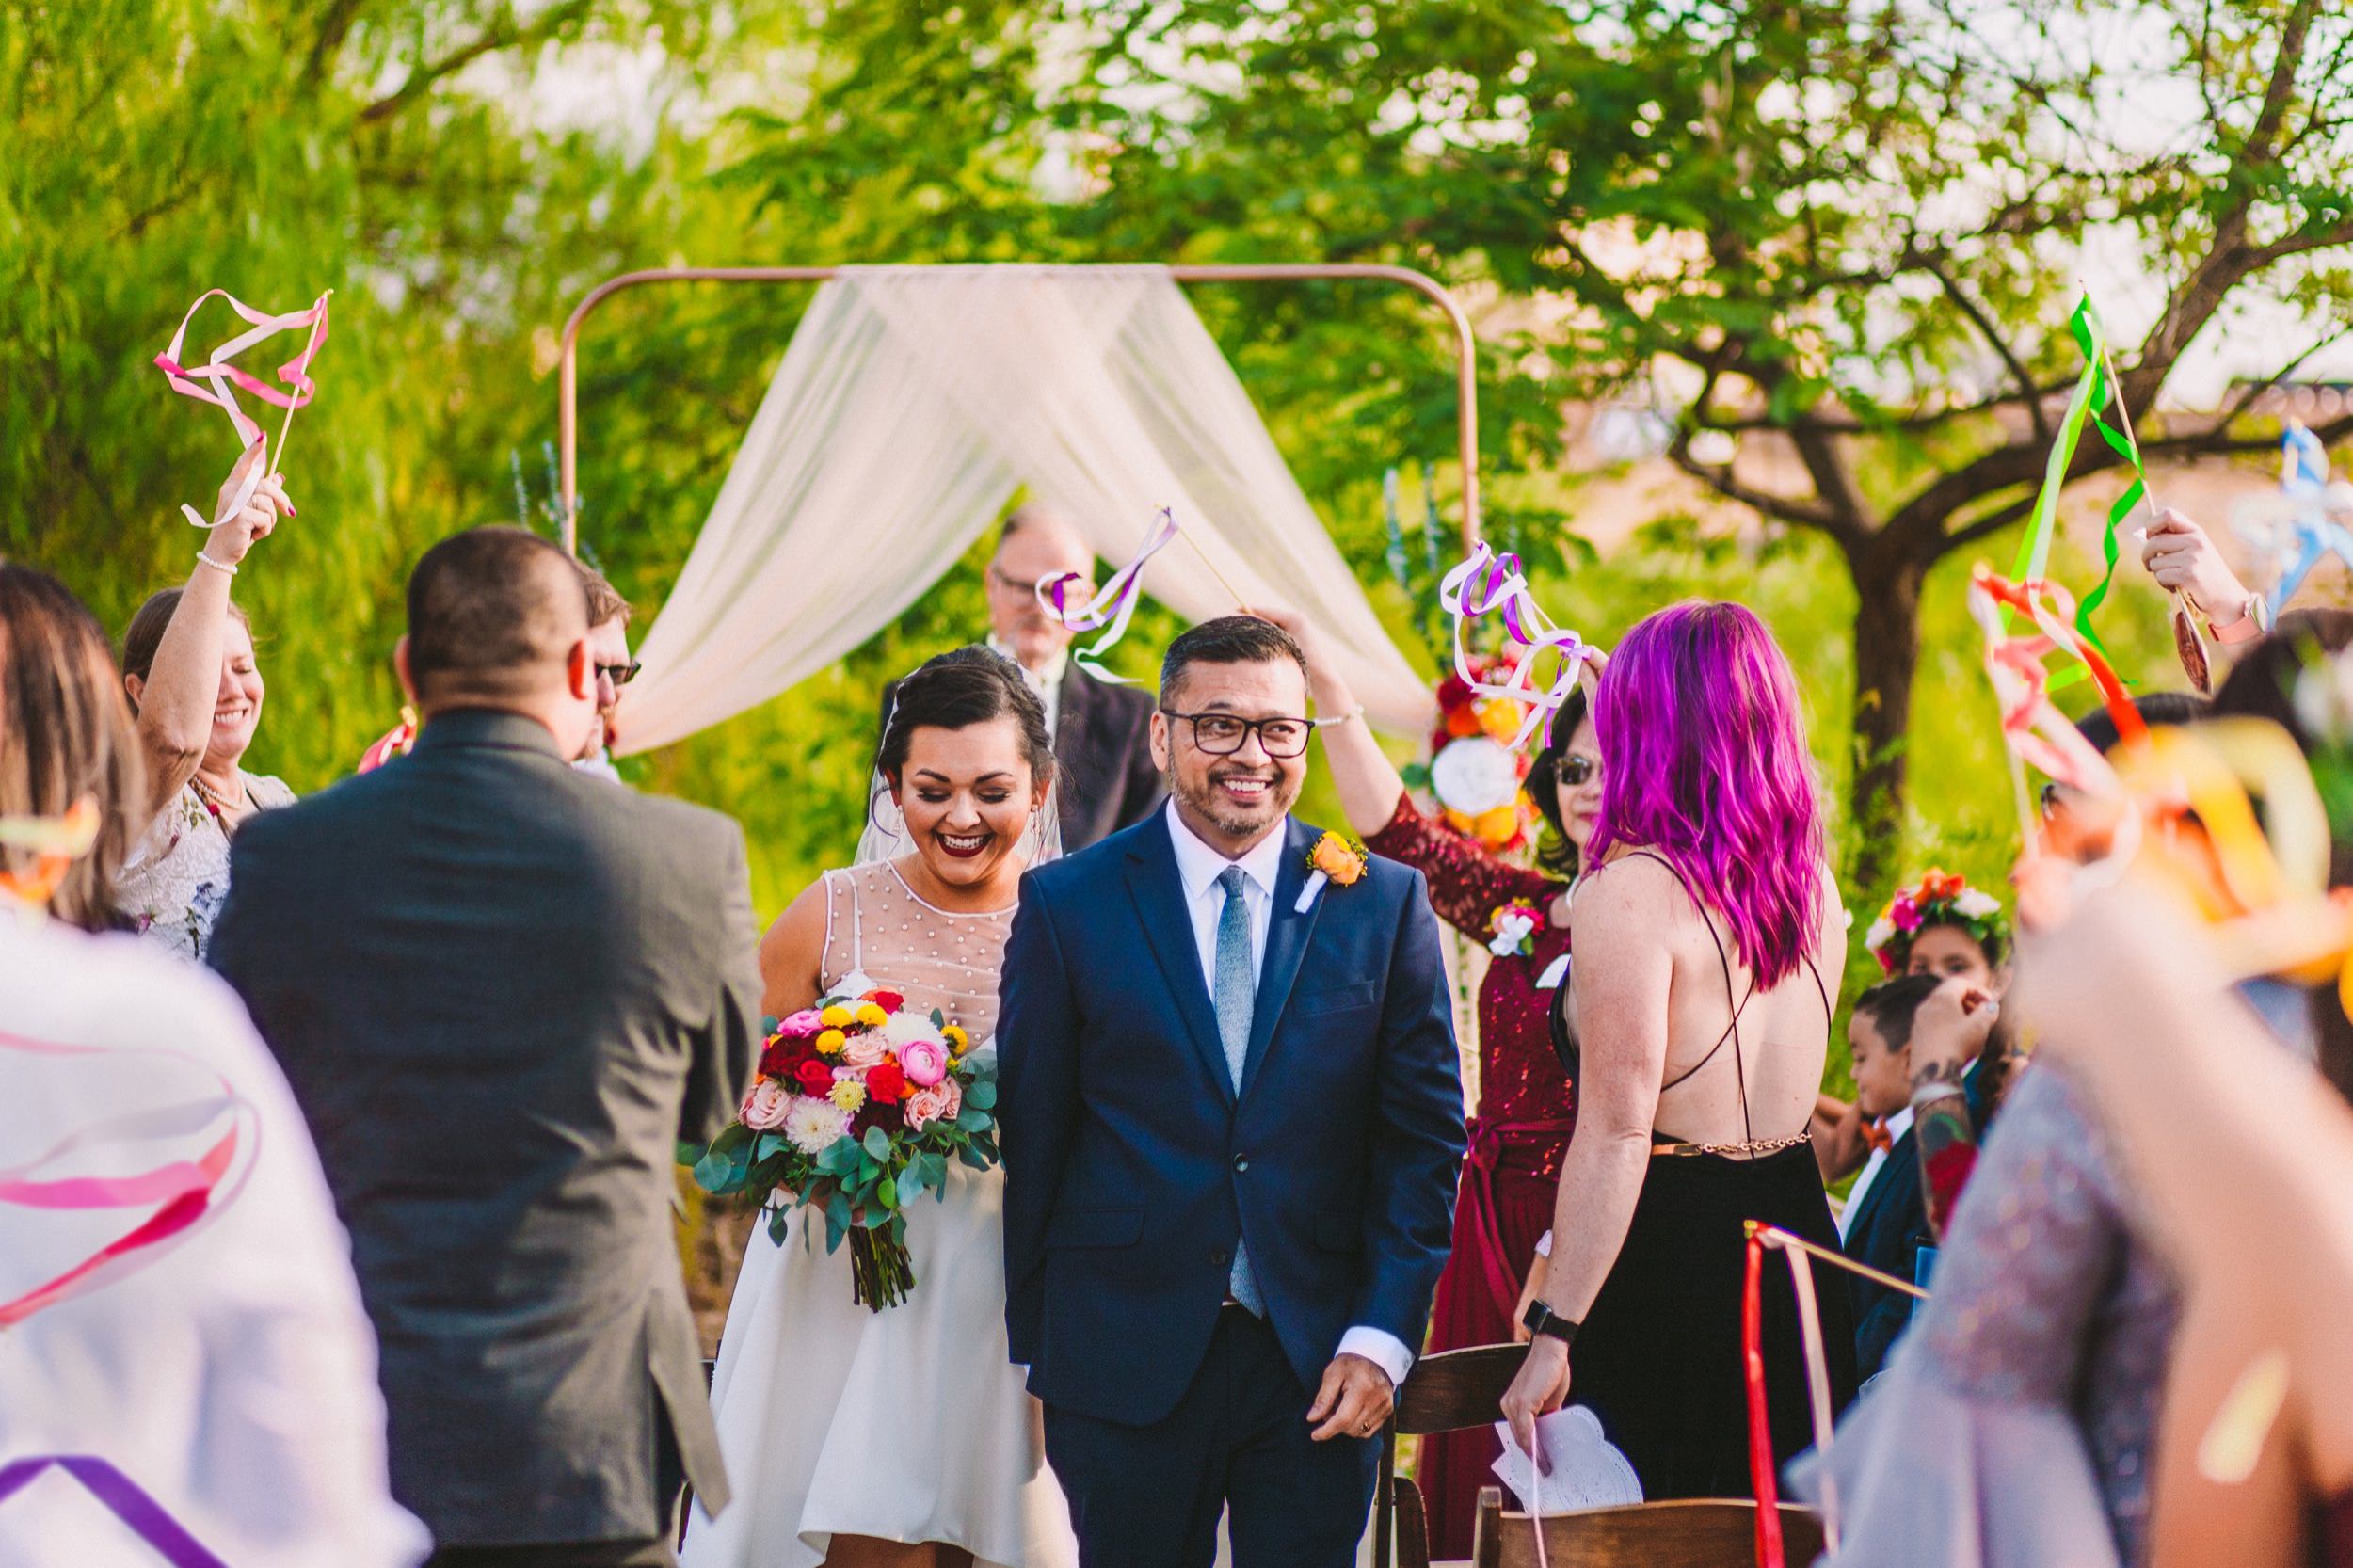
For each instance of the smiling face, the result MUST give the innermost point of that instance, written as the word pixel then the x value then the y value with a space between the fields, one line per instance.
pixel 967 796
pixel 237 707
pixel 1581 803
pixel 1946 951
pixel 1231 801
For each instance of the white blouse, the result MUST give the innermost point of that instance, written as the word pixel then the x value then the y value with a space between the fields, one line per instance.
pixel 227 1369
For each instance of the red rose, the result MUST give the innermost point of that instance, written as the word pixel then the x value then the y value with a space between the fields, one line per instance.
pixel 1453 692
pixel 782 1058
pixel 890 1002
pixel 885 1081
pixel 816 1077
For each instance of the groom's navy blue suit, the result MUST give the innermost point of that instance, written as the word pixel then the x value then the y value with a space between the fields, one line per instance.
pixel 1133 1167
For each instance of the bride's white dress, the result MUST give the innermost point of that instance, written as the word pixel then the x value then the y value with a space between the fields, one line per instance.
pixel 907 1424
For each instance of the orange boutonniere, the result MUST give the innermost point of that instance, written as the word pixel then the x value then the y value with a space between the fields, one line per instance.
pixel 1335 858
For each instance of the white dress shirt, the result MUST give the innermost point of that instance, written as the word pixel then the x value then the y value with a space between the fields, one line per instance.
pixel 1198 867
pixel 1047 682
pixel 1898 1124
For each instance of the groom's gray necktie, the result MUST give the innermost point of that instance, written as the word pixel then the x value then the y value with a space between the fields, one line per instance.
pixel 1235 996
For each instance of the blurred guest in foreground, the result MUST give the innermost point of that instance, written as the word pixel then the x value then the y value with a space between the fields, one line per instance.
pixel 1707 934
pixel 215 1376
pixel 189 668
pixel 2017 1422
pixel 63 746
pixel 502 991
pixel 1105 779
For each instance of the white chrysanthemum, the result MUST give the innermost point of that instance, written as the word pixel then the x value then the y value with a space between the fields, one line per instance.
pixel 1977 904
pixel 907 1027
pixel 1475 775
pixel 812 1126
pixel 1882 931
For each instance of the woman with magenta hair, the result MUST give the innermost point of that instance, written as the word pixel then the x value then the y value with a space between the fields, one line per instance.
pixel 1708 936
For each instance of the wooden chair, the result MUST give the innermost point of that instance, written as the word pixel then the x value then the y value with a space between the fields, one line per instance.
pixel 1701 1532
pixel 1450 1391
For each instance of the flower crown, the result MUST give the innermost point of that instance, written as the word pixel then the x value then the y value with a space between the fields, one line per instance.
pixel 1941 897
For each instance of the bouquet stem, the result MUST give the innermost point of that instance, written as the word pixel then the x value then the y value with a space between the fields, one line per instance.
pixel 881 1272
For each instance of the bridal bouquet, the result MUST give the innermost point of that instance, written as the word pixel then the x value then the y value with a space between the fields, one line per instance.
pixel 856 1109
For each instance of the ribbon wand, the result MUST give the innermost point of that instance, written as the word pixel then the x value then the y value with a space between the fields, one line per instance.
pixel 296 373
pixel 2189 645
pixel 1241 604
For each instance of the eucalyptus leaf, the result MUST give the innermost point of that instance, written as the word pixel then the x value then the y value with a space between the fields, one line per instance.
pixel 877 1144
pixel 982 1094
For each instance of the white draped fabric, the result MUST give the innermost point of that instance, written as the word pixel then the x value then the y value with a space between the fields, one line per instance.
pixel 911 404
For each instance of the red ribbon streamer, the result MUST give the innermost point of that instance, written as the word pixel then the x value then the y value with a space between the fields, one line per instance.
pixel 1762 1477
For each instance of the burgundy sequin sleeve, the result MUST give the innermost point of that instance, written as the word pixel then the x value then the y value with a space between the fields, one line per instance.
pixel 1466 883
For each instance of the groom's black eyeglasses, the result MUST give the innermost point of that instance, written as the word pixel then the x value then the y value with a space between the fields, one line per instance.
pixel 620 675
pixel 1222 734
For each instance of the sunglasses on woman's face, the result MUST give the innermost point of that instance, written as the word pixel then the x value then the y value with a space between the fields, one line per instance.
pixel 1578 770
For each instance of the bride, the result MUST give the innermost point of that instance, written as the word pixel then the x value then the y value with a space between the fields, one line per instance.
pixel 900 1438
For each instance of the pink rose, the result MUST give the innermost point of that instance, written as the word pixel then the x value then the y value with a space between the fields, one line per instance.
pixel 801 1025
pixel 925 1106
pixel 765 1106
pixel 925 1062
pixel 864 1050
pixel 1906 915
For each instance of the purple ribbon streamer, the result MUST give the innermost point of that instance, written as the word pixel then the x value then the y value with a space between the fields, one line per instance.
pixel 127 1501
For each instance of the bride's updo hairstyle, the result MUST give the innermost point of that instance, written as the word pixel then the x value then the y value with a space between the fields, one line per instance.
pixel 956 690
pixel 1698 715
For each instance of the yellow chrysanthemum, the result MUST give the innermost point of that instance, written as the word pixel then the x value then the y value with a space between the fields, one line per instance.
pixel 831 1042
pixel 849 1094
pixel 958 1041
pixel 871 1015
pixel 836 1017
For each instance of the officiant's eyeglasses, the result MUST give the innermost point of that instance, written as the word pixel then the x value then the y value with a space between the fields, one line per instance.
pixel 1222 734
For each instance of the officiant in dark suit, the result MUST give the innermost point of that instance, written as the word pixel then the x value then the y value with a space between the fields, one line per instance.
pixel 502 989
pixel 1102 733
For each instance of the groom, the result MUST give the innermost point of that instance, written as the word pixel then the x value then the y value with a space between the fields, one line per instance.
pixel 1232 1127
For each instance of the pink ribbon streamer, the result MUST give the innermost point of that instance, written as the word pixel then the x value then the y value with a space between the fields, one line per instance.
pixel 1112 605
pixel 188 1195
pixel 1489 584
pixel 213 381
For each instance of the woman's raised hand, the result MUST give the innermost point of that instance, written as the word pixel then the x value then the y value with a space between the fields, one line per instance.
pixel 234 535
pixel 2184 559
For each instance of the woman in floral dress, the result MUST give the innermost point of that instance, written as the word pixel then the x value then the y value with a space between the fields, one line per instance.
pixel 1519 1129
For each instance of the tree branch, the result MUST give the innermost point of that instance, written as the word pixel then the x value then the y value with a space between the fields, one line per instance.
pixel 333 29
pixel 1985 326
pixel 1718 477
pixel 503 33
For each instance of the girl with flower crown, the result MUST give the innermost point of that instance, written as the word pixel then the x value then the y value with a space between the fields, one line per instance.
pixel 1520 1130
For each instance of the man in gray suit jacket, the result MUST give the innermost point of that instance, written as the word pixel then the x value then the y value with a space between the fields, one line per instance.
pixel 502 989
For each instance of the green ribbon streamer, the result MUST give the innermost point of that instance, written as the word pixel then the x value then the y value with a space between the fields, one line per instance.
pixel 2096 391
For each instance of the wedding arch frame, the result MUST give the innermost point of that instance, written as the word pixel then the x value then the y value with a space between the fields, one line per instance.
pixel 1465 349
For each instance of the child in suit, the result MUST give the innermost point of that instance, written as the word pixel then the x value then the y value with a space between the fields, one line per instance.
pixel 1885 1223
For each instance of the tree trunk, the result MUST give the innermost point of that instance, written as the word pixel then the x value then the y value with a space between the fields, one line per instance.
pixel 1887 655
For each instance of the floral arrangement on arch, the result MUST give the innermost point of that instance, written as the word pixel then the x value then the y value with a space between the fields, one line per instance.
pixel 1473 773
pixel 1940 898
pixel 856 1109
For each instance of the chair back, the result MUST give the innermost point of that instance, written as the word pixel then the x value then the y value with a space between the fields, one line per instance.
pixel 1446 1391
pixel 1696 1532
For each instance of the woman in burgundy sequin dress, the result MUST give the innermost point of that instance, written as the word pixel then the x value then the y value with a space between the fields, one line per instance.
pixel 1520 1128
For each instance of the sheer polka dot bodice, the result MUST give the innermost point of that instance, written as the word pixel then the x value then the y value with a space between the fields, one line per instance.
pixel 877 929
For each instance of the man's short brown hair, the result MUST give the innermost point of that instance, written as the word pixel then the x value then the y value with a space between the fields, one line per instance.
pixel 605 601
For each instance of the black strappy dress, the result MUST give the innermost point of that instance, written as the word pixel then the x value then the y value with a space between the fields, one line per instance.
pixel 1659 1355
